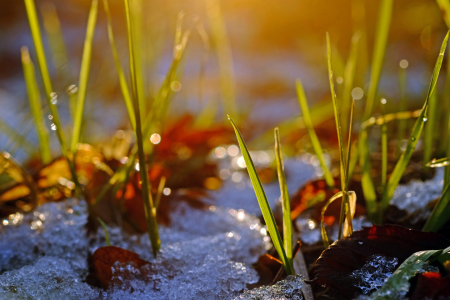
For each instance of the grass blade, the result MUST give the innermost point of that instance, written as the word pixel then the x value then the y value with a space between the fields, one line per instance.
pixel 368 186
pixel 342 161
pixel 84 75
pixel 119 69
pixel 52 27
pixel 430 129
pixel 42 62
pixel 403 104
pixel 384 147
pixel 36 107
pixel 219 34
pixel 312 134
pixel 287 222
pixel 395 286
pixel 263 203
pixel 150 213
pixel 437 163
pixel 108 243
pixel 415 135
pixel 161 186
pixel 10 132
pixel 349 76
pixel 444 5
pixel 382 32
pixel 441 212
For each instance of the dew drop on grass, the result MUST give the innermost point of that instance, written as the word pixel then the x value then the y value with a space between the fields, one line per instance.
pixel 413 138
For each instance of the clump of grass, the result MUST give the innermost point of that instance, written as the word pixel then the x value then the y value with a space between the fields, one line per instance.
pixel 280 246
pixel 150 212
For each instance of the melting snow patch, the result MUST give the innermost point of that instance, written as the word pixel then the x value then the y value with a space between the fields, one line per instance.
pixel 288 289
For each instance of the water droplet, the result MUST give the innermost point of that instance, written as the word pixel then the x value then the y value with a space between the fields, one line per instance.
pixel 54 98
pixel 425 119
pixel 167 191
pixel 72 89
pixel 53 126
pixel 383 100
pixel 413 138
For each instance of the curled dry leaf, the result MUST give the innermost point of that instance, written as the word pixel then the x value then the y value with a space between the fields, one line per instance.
pixel 336 264
pixel 316 193
pixel 105 259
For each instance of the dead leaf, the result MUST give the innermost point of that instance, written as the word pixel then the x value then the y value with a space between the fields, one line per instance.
pixel 105 258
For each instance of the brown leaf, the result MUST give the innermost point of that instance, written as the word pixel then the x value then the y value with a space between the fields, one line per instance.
pixel 105 259
pixel 335 265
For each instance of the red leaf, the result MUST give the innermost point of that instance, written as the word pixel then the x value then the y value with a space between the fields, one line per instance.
pixel 105 259
pixel 440 286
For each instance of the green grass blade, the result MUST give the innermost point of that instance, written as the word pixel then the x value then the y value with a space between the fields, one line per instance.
pixel 108 243
pixel 162 184
pixel 415 135
pixel 402 83
pixel 136 11
pixel 287 222
pixel 150 213
pixel 119 69
pixel 312 134
pixel 262 200
pixel 36 107
pixel 337 118
pixel 349 76
pixel 342 161
pixel 382 32
pixel 430 127
pixel 349 143
pixel 395 286
pixel 42 62
pixel 219 34
pixel 437 163
pixel 441 212
pixel 52 27
pixel 384 148
pixel 10 132
pixel 367 184
pixel 444 5
pixel 84 76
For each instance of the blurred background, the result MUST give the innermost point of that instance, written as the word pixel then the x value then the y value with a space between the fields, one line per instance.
pixel 245 51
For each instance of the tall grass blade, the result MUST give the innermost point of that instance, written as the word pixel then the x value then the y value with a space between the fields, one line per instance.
pixel 150 213
pixel 287 222
pixel 122 79
pixel 312 134
pixel 263 202
pixel 444 5
pixel 437 163
pixel 367 183
pixel 382 32
pixel 342 161
pixel 349 143
pixel 159 193
pixel 136 11
pixel 415 135
pixel 219 34
pixel 441 212
pixel 36 107
pixel 84 76
pixel 42 62
pixel 349 76
pixel 384 150
pixel 403 104
pixel 430 128
pixel 8 131
pixel 105 229
pixel 52 27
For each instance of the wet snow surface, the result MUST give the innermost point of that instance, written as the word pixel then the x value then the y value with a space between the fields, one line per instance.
pixel 204 255
pixel 288 289
pixel 374 273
